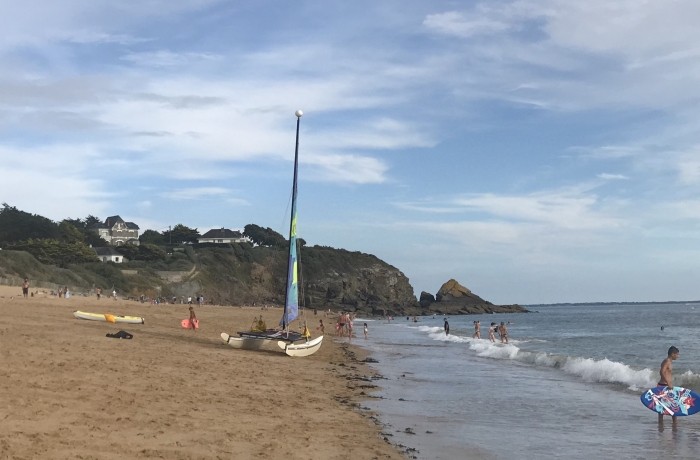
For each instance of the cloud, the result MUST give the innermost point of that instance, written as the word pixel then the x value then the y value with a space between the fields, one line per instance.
pixel 458 24
pixel 346 169
pixel 165 58
pixel 608 176
pixel 689 168
pixel 376 134
pixel 564 210
pixel 195 193
pixel 574 56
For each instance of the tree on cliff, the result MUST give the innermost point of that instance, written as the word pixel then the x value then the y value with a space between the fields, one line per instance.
pixel 55 252
pixel 264 236
pixel 144 251
pixel 153 237
pixel 181 234
pixel 16 225
pixel 86 227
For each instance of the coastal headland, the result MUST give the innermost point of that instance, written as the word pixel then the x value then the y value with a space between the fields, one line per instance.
pixel 70 391
pixel 239 274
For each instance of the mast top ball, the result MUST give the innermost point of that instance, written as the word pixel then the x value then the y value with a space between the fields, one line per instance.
pixel 298 113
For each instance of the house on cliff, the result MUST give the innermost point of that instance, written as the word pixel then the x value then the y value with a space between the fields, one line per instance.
pixel 109 254
pixel 117 232
pixel 223 236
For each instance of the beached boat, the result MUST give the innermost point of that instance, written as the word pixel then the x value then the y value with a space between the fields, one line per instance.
pixel 108 317
pixel 290 342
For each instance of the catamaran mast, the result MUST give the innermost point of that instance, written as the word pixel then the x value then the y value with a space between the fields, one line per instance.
pixel 292 265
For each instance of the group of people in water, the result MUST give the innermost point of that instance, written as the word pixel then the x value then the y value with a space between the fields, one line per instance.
pixel 500 329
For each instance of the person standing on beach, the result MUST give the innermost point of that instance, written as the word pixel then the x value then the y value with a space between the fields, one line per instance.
pixel 193 319
pixel 365 330
pixel 321 327
pixel 25 288
pixel 477 329
pixel 666 375
pixel 503 332
pixel 447 327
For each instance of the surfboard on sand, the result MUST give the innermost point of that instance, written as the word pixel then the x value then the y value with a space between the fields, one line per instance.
pixel 676 401
pixel 186 324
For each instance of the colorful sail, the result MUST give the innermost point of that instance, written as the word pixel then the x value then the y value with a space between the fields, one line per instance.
pixel 291 306
pixel 291 301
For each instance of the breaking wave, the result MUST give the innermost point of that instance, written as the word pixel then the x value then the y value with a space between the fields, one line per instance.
pixel 587 369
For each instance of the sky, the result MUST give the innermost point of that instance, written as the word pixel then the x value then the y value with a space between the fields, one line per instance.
pixel 535 151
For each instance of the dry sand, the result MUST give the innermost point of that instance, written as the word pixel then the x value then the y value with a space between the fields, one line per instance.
pixel 67 391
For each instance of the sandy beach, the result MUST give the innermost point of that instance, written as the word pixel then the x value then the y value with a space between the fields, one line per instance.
pixel 68 391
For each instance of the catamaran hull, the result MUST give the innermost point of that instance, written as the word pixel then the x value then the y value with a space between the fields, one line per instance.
pixel 301 349
pixel 273 345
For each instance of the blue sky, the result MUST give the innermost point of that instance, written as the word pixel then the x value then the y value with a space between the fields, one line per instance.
pixel 536 151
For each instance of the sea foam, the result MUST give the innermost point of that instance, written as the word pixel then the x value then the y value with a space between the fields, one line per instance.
pixel 587 369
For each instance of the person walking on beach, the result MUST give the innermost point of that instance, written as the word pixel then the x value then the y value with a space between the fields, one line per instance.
pixel 306 332
pixel 477 329
pixel 666 375
pixel 25 288
pixel 340 325
pixel 503 332
pixel 447 327
pixel 321 327
pixel 193 319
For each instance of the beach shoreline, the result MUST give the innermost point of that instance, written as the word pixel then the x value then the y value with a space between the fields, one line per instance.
pixel 72 391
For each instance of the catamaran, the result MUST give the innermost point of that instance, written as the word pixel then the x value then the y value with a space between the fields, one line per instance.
pixel 290 342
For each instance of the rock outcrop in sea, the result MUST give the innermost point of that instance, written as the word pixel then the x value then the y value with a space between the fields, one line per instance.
pixel 455 299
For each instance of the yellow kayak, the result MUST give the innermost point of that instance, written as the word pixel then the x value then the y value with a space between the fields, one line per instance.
pixel 110 318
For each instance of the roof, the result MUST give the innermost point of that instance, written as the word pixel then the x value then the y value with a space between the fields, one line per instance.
pixel 111 221
pixel 222 233
pixel 107 251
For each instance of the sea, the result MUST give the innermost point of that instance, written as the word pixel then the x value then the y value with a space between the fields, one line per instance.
pixel 567 386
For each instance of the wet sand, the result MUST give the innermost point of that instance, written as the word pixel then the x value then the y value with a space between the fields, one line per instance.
pixel 68 391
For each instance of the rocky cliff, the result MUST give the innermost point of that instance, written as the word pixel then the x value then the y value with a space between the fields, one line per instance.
pixel 330 278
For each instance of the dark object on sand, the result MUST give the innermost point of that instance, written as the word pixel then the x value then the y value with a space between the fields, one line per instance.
pixel 121 335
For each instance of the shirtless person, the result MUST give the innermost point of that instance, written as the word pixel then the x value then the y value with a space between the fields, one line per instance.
pixel 477 329
pixel 666 375
pixel 503 332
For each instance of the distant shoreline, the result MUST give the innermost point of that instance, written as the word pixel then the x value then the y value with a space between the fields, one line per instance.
pixel 575 304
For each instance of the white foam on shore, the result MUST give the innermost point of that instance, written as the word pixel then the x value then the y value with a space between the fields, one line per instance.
pixel 607 371
pixel 588 369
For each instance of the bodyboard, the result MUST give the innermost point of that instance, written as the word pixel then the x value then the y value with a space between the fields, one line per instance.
pixel 187 324
pixel 675 401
